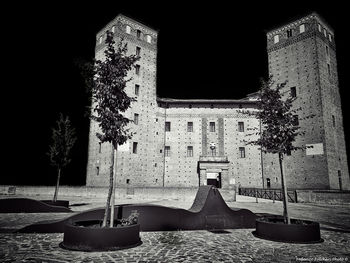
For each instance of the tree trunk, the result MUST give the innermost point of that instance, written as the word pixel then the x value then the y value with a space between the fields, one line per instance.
pixel 105 217
pixel 284 191
pixel 114 184
pixel 57 184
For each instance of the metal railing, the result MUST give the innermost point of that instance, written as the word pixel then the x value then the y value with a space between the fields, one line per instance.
pixel 272 194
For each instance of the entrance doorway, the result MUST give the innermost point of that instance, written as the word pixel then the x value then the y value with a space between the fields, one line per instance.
pixel 214 179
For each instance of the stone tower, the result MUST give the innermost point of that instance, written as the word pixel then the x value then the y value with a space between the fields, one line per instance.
pixel 133 158
pixel 303 53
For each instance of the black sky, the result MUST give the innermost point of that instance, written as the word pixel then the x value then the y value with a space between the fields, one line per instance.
pixel 208 50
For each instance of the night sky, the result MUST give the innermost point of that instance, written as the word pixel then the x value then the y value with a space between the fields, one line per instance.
pixel 211 50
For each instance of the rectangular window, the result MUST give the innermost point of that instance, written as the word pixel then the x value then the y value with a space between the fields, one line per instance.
pixel 190 126
pixel 138 34
pixel 137 70
pixel 330 37
pixel 167 151
pixel 138 51
pixel 319 28
pixel 325 32
pixel 99 147
pixel 167 126
pixel 212 126
pixel 136 118
pixel 134 147
pixel 113 29
pixel 289 153
pixel 329 69
pixel 128 29
pixel 100 40
pixel 333 120
pixel 327 50
pixel 189 151
pixel 241 152
pixel 302 28
pixel 97 170
pixel 293 92
pixel 289 33
pixel 137 89
pixel 295 120
pixel 276 39
pixel 241 126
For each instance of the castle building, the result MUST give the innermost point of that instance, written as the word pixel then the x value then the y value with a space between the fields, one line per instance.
pixel 192 142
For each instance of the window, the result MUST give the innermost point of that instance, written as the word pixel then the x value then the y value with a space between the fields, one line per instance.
pixel 100 40
pixel 319 28
pixel 325 32
pixel 189 151
pixel 340 181
pixel 330 37
pixel 213 151
pixel 149 39
pixel 302 28
pixel 136 118
pixel 333 120
pixel 295 120
pixel 289 153
pixel 241 152
pixel 137 89
pixel 327 50
pixel 212 126
pixel 134 147
pixel 276 39
pixel 190 126
pixel 138 34
pixel 167 151
pixel 138 51
pixel 293 92
pixel 99 147
pixel 113 29
pixel 137 70
pixel 241 126
pixel 329 69
pixel 128 29
pixel 289 33
pixel 167 126
pixel 97 170
pixel 127 181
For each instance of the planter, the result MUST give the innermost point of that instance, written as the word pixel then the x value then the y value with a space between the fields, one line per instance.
pixel 64 203
pixel 299 231
pixel 89 236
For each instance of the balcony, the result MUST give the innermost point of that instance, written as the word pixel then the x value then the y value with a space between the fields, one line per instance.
pixel 213 159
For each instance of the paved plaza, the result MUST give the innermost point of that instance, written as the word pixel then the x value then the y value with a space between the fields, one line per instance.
pixel 186 246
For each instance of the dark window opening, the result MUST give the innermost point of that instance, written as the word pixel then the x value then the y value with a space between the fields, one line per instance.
pixel 333 120
pixel 134 147
pixel 241 126
pixel 295 120
pixel 212 126
pixel 189 151
pixel 167 151
pixel 138 51
pixel 137 89
pixel 138 34
pixel 289 33
pixel 167 126
pixel 190 126
pixel 137 69
pixel 293 92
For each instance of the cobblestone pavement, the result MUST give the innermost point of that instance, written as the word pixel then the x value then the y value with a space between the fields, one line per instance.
pixel 187 246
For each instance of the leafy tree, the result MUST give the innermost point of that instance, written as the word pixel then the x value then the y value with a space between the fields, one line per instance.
pixel 63 140
pixel 107 81
pixel 279 129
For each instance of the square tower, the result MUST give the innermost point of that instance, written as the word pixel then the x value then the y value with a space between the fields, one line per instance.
pixel 134 164
pixel 303 53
